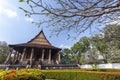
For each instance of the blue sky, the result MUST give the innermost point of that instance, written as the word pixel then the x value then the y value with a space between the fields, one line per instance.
pixel 15 28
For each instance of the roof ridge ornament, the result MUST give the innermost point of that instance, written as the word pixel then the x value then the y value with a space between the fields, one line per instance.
pixel 41 28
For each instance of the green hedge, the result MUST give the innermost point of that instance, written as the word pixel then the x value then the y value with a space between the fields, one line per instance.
pixel 78 74
pixel 81 75
pixel 23 74
pixel 100 70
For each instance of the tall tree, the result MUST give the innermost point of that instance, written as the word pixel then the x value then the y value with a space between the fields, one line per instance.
pixel 101 46
pixel 73 15
pixel 75 53
pixel 3 51
pixel 108 43
pixel 79 48
pixel 112 39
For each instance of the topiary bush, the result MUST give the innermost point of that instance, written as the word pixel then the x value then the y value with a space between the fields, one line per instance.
pixel 23 74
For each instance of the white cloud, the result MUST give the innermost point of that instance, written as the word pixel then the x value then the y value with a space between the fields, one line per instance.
pixel 0 9
pixel 29 19
pixel 7 9
pixel 10 13
pixel 64 46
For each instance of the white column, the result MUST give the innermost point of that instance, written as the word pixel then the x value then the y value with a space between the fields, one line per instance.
pixel 32 53
pixel 15 56
pixel 19 56
pixel 58 58
pixel 49 59
pixel 43 54
pixel 22 57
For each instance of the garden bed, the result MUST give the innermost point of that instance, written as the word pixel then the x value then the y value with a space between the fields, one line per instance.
pixel 77 74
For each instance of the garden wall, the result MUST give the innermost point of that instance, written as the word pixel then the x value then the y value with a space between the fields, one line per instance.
pixel 109 65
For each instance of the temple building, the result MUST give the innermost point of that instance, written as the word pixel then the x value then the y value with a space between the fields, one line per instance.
pixel 36 51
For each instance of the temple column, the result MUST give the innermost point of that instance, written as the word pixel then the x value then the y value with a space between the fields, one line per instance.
pixel 15 56
pixel 25 56
pixel 58 58
pixel 9 55
pixel 19 56
pixel 31 55
pixel 43 54
pixel 49 59
pixel 22 57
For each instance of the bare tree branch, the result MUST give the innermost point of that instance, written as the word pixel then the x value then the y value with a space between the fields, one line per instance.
pixel 75 15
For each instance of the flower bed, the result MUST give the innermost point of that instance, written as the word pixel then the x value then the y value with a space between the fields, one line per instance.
pixel 78 74
pixel 23 74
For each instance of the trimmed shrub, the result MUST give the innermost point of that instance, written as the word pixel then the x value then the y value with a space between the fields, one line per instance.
pixel 81 75
pixel 78 74
pixel 23 74
pixel 101 70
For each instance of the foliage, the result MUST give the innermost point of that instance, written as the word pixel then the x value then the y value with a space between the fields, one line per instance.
pixel 112 35
pixel 87 50
pixel 95 67
pixel 101 45
pixel 91 57
pixel 75 53
pixel 80 47
pixel 65 56
pixel 3 51
pixel 21 0
pixel 115 55
pixel 108 43
pixel 23 74
pixel 73 15
pixel 81 75
pixel 77 74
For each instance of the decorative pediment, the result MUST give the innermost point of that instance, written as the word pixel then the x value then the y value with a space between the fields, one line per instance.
pixel 40 39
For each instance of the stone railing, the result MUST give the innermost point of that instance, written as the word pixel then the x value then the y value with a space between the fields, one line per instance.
pixel 6 67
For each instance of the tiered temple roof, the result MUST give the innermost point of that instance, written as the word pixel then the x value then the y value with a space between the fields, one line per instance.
pixel 39 41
